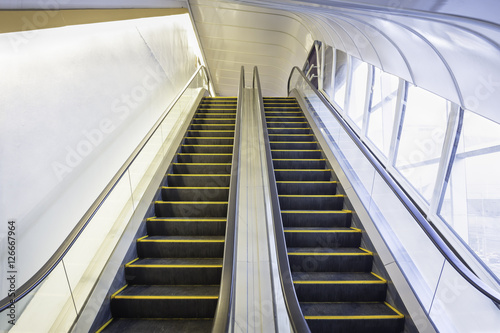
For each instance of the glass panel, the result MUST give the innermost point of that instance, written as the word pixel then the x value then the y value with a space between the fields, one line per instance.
pixel 382 110
pixel 422 136
pixel 472 202
pixel 340 79
pixel 357 91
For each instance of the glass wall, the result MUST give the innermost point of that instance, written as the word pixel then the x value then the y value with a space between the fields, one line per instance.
pixel 414 133
pixel 382 109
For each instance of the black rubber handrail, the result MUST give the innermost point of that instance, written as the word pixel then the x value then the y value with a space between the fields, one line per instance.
pixel 73 236
pixel 226 294
pixel 295 314
pixel 439 242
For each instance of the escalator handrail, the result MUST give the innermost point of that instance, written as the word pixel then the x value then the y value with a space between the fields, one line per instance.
pixel 73 236
pixel 226 293
pixel 295 314
pixel 445 249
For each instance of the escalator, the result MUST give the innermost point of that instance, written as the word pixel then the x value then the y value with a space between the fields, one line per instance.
pixel 332 275
pixel 173 285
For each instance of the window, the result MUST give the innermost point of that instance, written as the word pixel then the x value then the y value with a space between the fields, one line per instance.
pixel 357 91
pixel 472 202
pixel 382 110
pixel 424 126
pixel 339 87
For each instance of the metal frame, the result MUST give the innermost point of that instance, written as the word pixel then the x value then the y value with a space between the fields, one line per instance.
pixel 441 244
pixel 73 236
pixel 226 295
pixel 296 317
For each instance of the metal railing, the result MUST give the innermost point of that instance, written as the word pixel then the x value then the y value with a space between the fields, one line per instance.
pixel 73 236
pixel 441 244
pixel 226 294
pixel 296 317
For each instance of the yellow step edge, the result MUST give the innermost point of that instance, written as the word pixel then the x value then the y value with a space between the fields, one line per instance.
pixel 293 141
pixel 197 163
pixel 379 277
pixel 352 317
pixel 196 188
pixel 118 291
pixel 343 211
pixel 192 202
pixel 207 146
pixel 131 262
pixel 306 181
pixel 210 137
pixel 211 130
pixel 176 266
pixel 198 175
pixel 311 196
pixel 292 134
pixel 355 230
pixel 400 315
pixel 282 117
pixel 322 170
pixel 299 159
pixel 365 253
pixel 218 154
pixel 165 297
pixel 287 122
pixel 172 219
pixel 181 240
pixel 339 282
pixel 288 128
pixel 104 326
pixel 296 150
pixel 212 125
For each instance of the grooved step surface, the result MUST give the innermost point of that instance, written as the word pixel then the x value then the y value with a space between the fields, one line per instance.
pixel 331 273
pixel 173 284
pixel 159 325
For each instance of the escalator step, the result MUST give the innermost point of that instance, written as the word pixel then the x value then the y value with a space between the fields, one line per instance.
pixel 121 325
pixel 294 145
pixel 291 137
pixel 213 121
pixel 306 187
pixel 201 168
pixel 147 301
pixel 217 133
pixel 208 140
pixel 174 271
pixel 321 219
pixel 287 124
pixel 339 287
pixel 211 127
pixel 302 174
pixel 311 202
pixel 282 130
pixel 322 237
pixel 207 149
pixel 175 226
pixel 352 317
pixel 195 193
pixel 180 246
pixel 304 259
pixel 287 163
pixel 209 115
pixel 287 153
pixel 191 208
pixel 201 180
pixel 203 158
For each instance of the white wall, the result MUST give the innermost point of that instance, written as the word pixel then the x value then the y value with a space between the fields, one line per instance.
pixel 74 103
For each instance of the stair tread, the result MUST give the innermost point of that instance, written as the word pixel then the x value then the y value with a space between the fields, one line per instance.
pixel 166 290
pixel 159 325
pixel 320 229
pixel 176 262
pixel 336 276
pixel 187 219
pixel 348 309
pixel 329 250
pixel 181 238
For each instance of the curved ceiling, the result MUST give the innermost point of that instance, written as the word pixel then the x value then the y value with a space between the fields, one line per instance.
pixel 448 47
